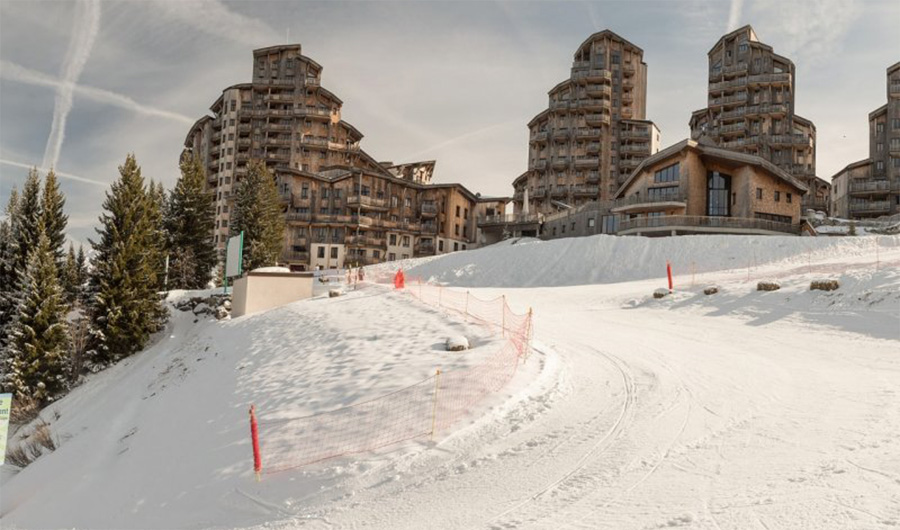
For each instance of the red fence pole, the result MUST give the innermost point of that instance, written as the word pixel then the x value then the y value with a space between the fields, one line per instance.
pixel 254 436
pixel 669 273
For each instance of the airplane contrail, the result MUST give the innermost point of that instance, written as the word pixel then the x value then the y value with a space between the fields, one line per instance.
pixel 87 25
pixel 58 173
pixel 734 14
pixel 20 74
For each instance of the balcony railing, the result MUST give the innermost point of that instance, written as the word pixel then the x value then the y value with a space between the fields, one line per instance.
pixel 587 161
pixel 298 217
pixel 429 209
pixel 518 218
pixel 725 223
pixel 290 255
pixel 311 111
pixel 767 108
pixel 593 74
pixel 366 201
pixel 770 78
pixel 872 186
pixel 539 137
pixel 790 139
pixel 870 206
pixel 588 133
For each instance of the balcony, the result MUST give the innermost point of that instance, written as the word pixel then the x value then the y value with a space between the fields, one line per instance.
pixel 598 90
pixel 365 241
pixel 733 128
pixel 586 161
pixel 293 256
pixel 539 137
pixel 667 224
pixel 870 187
pixel 593 75
pixel 593 176
pixel 736 99
pixel 559 191
pixel 733 114
pixel 766 108
pixel 894 89
pixel 367 202
pixel 594 104
pixel 559 105
pixel 790 139
pixel 727 85
pixel 588 133
pixel 634 133
pixel 540 165
pixel 312 81
pixel 295 217
pixel 593 147
pixel 596 119
pixel 870 207
pixel 512 219
pixel 590 191
pixel 561 162
pixel 561 134
pixel 278 141
pixel 635 148
pixel 735 69
pixel 313 112
pixel 628 69
pixel 314 141
pixel 362 220
pixel 647 203
pixel 428 210
pixel 770 79
pixel 277 127
pixel 741 142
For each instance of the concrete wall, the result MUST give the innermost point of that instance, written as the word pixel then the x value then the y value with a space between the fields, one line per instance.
pixel 260 291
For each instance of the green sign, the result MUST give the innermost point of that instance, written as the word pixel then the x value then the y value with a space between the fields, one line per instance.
pixel 5 405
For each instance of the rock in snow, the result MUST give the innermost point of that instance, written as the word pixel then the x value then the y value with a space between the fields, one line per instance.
pixel 457 343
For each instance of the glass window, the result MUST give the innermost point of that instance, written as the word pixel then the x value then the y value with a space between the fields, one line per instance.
pixel 334 252
pixel 667 174
pixel 759 193
pixel 777 196
pixel 662 193
pixel 718 193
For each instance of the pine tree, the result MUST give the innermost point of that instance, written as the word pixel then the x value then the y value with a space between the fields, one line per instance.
pixel 157 206
pixel 257 212
pixel 36 364
pixel 81 267
pixel 190 216
pixel 9 267
pixel 55 220
pixel 125 307
pixel 29 214
pixel 69 276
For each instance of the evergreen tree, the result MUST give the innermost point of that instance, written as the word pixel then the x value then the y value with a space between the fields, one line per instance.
pixel 55 220
pixel 9 269
pixel 257 212
pixel 81 267
pixel 36 364
pixel 157 206
pixel 69 277
pixel 125 307
pixel 29 219
pixel 190 217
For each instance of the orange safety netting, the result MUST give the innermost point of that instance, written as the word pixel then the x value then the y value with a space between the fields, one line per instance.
pixel 417 411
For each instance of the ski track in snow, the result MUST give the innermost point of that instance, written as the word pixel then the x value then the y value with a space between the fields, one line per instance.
pixel 742 410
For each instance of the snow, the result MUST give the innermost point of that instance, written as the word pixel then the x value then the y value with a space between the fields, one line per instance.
pixel 272 269
pixel 457 343
pixel 745 409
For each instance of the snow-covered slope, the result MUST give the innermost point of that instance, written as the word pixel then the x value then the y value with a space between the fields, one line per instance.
pixel 161 440
pixel 610 259
pixel 737 410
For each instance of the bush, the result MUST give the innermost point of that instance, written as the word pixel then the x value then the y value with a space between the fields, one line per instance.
pixel 768 285
pixel 824 285
pixel 661 293
pixel 712 289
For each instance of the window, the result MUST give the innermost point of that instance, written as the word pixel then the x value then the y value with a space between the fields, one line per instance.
pixel 321 252
pixel 879 128
pixel 667 174
pixel 440 246
pixel 304 192
pixel 895 124
pixel 895 144
pixel 609 224
pixel 895 162
pixel 405 241
pixel 456 229
pixel 393 239
pixel 879 147
pixel 466 213
pixel 662 193
pixel 334 252
pixel 392 256
pixel 759 194
pixel 777 196
pixel 455 246
pixel 718 191
pixel 457 211
pixel 590 222
pixel 742 47
pixel 879 166
pixel 408 202
pixel 789 198
pixel 376 254
pixel 337 194
pixel 324 193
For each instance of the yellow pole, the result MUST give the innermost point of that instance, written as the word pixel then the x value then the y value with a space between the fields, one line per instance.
pixel 437 383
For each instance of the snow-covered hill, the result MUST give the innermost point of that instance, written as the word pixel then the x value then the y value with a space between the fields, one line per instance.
pixel 741 409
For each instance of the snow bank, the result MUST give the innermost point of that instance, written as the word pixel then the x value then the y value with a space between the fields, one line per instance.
pixel 610 259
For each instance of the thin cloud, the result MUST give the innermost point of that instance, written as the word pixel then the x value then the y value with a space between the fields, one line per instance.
pixel 734 15
pixel 20 74
pixel 61 174
pixel 87 25
pixel 807 32
pixel 213 17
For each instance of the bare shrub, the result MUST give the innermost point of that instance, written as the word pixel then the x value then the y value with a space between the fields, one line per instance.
pixel 824 285
pixel 17 456
pixel 768 286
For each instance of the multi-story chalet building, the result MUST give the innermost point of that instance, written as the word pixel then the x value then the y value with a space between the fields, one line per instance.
pixel 341 205
pixel 593 133
pixel 750 109
pixel 871 187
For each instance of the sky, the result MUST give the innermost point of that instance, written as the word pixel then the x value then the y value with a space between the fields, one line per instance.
pixel 84 83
